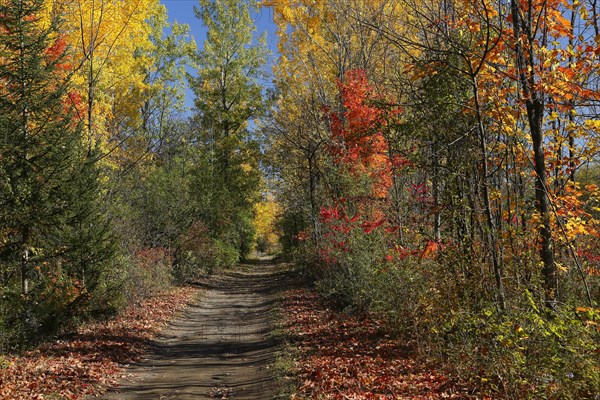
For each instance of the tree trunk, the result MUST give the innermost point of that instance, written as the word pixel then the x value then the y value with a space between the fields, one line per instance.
pixel 491 226
pixel 535 113
pixel 312 187
pixel 437 216
pixel 534 103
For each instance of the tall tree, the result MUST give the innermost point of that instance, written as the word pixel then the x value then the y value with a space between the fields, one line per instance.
pixel 229 96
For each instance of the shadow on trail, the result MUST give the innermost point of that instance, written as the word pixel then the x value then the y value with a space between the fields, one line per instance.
pixel 221 347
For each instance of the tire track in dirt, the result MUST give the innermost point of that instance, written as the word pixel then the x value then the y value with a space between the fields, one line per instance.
pixel 220 348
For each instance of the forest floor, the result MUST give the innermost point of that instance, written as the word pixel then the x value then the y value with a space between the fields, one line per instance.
pixel 337 355
pixel 232 336
pixel 87 361
pixel 220 347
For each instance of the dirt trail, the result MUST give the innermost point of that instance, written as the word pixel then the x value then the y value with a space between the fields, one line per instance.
pixel 220 348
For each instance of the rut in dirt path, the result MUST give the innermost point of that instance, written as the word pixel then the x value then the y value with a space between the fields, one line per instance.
pixel 220 348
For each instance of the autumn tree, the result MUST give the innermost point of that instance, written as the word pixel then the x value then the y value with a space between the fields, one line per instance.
pixel 228 94
pixel 165 77
pixel 109 43
pixel 318 47
pixel 154 183
pixel 267 212
pixel 555 82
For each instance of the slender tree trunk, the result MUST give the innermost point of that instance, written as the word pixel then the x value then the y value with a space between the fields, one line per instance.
pixel 534 103
pixel 572 166
pixel 437 217
pixel 91 83
pixel 535 110
pixel 25 260
pixel 25 229
pixel 491 226
pixel 312 188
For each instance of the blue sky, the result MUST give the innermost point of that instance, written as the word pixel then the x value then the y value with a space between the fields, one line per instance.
pixel 182 11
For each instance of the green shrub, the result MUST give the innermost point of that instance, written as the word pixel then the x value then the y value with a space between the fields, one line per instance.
pixel 200 254
pixel 523 351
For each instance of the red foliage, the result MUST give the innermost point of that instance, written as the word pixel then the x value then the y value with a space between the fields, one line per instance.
pixel 369 226
pixel 359 147
pixel 359 142
pixel 420 191
pixel 328 214
pixel 432 249
pixel 404 253
pixel 344 357
pixel 91 360
pixel 55 52
pixel 589 256
pixel 74 101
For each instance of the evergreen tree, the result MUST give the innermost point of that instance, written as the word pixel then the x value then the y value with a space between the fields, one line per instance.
pixel 48 177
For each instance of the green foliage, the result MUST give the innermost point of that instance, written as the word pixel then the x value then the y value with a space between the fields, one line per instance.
pixel 90 222
pixel 361 278
pixel 199 254
pixel 522 353
pixel 55 240
pixel 227 92
pixel 226 176
pixel 291 223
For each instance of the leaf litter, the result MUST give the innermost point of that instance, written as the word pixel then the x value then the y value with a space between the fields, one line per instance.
pixel 89 361
pixel 341 356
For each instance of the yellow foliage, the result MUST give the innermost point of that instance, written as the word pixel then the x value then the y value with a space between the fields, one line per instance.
pixel 108 40
pixel 266 213
pixel 576 226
